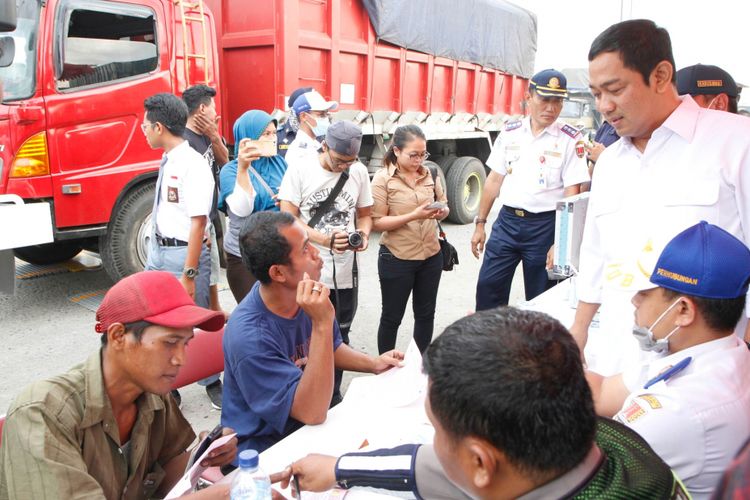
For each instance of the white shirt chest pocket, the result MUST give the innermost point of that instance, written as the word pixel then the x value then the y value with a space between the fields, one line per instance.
pixel 551 170
pixel 690 200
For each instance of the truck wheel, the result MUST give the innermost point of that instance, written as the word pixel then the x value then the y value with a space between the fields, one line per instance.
pixel 49 253
pixel 124 248
pixel 428 164
pixel 465 183
pixel 445 163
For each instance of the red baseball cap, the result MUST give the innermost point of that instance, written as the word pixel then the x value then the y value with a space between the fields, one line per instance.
pixel 157 297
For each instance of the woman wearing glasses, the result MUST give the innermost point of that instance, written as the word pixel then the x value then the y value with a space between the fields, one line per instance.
pixel 409 260
pixel 248 184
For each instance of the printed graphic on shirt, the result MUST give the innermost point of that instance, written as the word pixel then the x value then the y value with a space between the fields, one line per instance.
pixel 299 358
pixel 338 216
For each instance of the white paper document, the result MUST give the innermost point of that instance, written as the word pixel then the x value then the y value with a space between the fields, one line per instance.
pixel 190 479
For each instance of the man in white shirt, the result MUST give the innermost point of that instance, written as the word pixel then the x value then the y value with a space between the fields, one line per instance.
pixel 313 114
pixel 304 190
pixel 691 404
pixel 537 161
pixel 184 194
pixel 675 165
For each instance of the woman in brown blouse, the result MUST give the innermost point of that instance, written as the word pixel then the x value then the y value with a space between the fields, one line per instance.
pixel 409 259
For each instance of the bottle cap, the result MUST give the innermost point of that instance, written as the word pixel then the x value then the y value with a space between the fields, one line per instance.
pixel 249 459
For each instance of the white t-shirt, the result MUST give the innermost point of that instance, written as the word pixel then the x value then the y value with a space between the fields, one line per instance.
pixel 697 419
pixel 537 169
pixel 187 190
pixel 307 185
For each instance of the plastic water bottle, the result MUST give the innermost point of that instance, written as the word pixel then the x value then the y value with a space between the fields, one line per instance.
pixel 250 483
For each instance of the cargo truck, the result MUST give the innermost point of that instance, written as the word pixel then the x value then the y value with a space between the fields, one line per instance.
pixel 74 92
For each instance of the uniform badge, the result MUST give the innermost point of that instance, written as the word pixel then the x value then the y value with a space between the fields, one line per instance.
pixel 542 160
pixel 570 131
pixel 554 83
pixel 513 125
pixel 173 194
pixel 509 169
pixel 580 149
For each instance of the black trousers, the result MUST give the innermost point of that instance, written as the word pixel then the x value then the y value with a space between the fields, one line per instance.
pixel 398 280
pixel 344 306
pixel 240 279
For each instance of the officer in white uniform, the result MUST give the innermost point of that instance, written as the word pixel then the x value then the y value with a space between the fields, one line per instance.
pixel 676 164
pixel 537 161
pixel 692 403
pixel 286 134
pixel 313 115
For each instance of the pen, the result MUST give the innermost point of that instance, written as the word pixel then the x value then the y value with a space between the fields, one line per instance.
pixel 669 372
pixel 296 486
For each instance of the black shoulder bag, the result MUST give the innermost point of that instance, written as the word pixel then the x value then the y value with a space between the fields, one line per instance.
pixel 448 251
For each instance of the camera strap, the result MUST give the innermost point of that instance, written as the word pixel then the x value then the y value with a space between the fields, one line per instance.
pixel 433 173
pixel 324 207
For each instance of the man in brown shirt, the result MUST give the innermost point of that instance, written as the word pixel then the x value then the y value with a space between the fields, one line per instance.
pixel 108 427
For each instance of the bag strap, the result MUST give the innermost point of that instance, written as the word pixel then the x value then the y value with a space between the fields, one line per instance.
pixel 326 205
pixel 433 173
pixel 262 181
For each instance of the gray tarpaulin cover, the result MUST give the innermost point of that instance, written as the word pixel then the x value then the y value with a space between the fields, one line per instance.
pixel 493 33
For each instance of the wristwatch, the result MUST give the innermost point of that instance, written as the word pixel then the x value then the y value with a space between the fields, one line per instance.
pixel 190 272
pixel 477 220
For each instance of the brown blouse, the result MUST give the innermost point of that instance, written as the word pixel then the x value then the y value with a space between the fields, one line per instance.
pixel 395 195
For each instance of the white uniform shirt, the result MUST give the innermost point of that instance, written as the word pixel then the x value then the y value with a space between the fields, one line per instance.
pixel 537 169
pixel 696 420
pixel 307 185
pixel 302 149
pixel 187 190
pixel 695 167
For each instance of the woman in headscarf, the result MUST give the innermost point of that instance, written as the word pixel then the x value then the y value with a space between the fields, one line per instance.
pixel 249 184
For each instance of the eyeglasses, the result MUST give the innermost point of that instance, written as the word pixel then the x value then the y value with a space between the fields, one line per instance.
pixel 339 163
pixel 320 114
pixel 419 156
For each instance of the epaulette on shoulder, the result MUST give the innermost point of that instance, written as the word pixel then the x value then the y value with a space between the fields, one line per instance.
pixel 570 131
pixel 513 125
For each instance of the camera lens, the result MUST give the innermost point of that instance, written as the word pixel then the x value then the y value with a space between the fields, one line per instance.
pixel 355 240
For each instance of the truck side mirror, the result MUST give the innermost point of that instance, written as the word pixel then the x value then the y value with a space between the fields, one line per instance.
pixel 7 51
pixel 8 15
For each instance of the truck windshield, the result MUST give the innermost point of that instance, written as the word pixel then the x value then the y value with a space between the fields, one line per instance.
pixel 572 109
pixel 19 79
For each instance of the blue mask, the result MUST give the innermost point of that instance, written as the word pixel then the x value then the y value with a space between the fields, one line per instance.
pixel 321 127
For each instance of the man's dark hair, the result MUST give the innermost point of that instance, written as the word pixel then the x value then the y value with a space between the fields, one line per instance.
pixel 515 379
pixel 721 315
pixel 197 95
pixel 640 43
pixel 169 110
pixel 262 245
pixel 136 328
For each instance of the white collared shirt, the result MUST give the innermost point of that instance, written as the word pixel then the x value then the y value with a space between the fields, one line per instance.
pixel 187 190
pixel 302 150
pixel 697 419
pixel 695 167
pixel 537 169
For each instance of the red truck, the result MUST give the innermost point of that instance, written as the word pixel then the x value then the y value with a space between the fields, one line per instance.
pixel 69 119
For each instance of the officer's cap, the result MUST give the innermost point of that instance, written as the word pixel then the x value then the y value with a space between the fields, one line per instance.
pixel 704 261
pixel 549 83
pixel 313 101
pixel 704 79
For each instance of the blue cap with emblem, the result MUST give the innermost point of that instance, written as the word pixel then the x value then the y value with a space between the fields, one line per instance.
pixel 549 83
pixel 705 79
pixel 704 261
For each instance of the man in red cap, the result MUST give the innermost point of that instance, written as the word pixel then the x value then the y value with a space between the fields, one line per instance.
pixel 108 427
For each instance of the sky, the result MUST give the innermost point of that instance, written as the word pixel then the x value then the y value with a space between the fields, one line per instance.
pixel 715 32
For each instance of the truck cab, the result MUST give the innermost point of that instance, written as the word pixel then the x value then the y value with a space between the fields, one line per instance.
pixel 70 117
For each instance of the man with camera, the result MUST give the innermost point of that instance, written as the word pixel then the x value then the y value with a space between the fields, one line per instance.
pixel 332 196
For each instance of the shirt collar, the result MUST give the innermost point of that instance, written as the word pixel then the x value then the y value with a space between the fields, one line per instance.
pixel 684 118
pixel 393 170
pixel 306 139
pixel 98 407
pixel 176 151
pixel 719 344
pixel 570 482
pixel 552 129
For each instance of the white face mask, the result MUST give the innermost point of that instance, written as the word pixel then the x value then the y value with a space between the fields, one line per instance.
pixel 711 103
pixel 321 127
pixel 645 335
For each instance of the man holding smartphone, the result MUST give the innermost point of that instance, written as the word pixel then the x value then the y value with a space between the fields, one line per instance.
pixel 340 222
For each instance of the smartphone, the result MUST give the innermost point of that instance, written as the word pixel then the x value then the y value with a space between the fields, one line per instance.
pixel 437 205
pixel 212 436
pixel 266 148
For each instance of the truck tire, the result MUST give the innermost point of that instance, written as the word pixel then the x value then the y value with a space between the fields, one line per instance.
pixel 428 164
pixel 124 248
pixel 445 163
pixel 465 183
pixel 49 253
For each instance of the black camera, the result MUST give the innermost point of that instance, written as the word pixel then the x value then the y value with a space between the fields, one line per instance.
pixel 355 240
